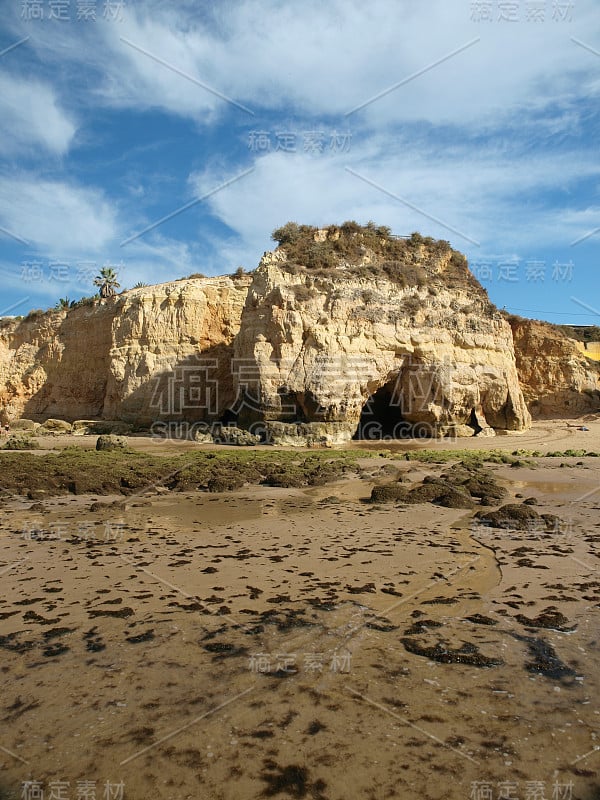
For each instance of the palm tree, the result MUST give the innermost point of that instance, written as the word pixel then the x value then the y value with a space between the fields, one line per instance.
pixel 107 281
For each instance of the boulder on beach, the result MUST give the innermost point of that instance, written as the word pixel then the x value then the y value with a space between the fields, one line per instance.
pixel 111 442
pixel 521 518
pixel 55 427
pixel 229 434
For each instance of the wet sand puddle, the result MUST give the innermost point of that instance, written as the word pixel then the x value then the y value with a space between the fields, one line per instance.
pixel 298 643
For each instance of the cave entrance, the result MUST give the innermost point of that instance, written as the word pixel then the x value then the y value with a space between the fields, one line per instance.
pixel 229 417
pixel 474 422
pixel 381 416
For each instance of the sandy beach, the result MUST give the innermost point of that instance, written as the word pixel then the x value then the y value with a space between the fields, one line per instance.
pixel 302 642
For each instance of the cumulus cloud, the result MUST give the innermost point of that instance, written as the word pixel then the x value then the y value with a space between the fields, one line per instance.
pixel 480 137
pixel 158 260
pixel 330 58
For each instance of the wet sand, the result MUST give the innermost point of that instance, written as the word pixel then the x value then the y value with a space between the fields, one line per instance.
pixel 303 643
pixel 543 435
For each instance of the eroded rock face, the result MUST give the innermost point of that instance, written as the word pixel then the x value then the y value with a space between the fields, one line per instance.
pixel 319 348
pixel 335 350
pixel 171 351
pixel 136 357
pixel 556 378
pixel 56 365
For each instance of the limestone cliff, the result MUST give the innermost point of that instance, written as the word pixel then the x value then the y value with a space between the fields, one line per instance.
pixel 55 364
pixel 556 377
pixel 341 329
pixel 132 357
pixel 348 348
pixel 171 350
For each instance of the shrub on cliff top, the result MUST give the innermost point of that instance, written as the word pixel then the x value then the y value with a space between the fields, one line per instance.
pixel 35 313
pixel 410 261
pixel 85 301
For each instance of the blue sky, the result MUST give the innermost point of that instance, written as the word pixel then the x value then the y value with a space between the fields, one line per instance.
pixel 475 122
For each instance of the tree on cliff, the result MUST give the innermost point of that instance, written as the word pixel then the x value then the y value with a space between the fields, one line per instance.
pixel 107 281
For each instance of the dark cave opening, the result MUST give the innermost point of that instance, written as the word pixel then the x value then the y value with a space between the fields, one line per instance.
pixel 474 423
pixel 381 416
pixel 229 417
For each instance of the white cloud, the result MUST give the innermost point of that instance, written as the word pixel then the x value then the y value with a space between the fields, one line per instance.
pixel 472 193
pixel 55 216
pixel 326 58
pixel 34 280
pixel 315 62
pixel 158 260
pixel 31 118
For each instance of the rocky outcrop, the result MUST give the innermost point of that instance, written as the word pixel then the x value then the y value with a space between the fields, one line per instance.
pixel 55 364
pixel 296 354
pixel 109 442
pixel 171 350
pixel 556 377
pixel 350 350
pixel 138 357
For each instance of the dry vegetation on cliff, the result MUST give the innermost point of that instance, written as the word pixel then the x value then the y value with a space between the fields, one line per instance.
pixel 581 333
pixel 373 251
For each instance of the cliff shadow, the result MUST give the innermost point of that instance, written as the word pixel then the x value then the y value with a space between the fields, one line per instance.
pixel 197 388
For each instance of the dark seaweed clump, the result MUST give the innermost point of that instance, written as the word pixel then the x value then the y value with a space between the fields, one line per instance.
pixel 545 661
pixel 549 618
pixel 460 488
pixel 467 653
pixel 520 517
pixel 292 781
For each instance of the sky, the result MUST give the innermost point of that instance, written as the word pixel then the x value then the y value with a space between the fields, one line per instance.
pixel 165 139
